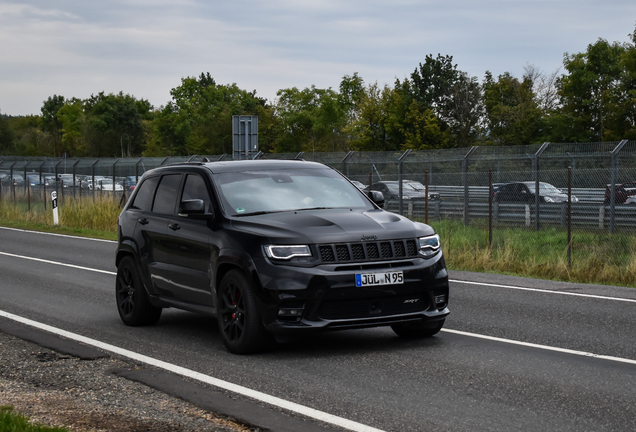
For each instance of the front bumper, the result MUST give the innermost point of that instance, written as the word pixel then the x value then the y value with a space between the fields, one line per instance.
pixel 324 297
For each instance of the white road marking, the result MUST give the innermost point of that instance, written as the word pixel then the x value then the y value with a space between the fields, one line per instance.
pixel 272 400
pixel 58 263
pixel 543 347
pixel 544 291
pixel 225 385
pixel 58 235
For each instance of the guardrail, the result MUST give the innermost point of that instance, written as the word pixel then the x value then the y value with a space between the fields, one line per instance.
pixel 480 193
pixel 583 214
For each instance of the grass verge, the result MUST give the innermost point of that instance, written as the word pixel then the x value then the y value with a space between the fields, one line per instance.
pixel 595 257
pixel 16 422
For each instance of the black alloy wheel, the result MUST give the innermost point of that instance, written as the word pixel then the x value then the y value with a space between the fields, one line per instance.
pixel 419 330
pixel 239 321
pixel 132 300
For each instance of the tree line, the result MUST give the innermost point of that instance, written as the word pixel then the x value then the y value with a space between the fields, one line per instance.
pixel 591 99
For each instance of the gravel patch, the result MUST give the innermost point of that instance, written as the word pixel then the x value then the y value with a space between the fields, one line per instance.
pixel 83 395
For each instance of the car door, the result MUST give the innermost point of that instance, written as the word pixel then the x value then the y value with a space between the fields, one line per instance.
pixel 188 246
pixel 152 233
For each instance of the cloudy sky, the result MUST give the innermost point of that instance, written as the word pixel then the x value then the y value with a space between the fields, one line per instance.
pixel 76 48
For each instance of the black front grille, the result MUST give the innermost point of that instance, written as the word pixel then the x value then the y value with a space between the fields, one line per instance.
pixel 368 251
pixel 369 308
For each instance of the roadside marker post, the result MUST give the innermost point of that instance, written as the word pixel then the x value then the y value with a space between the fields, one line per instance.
pixel 54 207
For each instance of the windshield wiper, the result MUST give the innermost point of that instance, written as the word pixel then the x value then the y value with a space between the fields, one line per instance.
pixel 313 208
pixel 256 213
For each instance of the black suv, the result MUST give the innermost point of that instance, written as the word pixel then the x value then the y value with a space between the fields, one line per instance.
pixel 273 247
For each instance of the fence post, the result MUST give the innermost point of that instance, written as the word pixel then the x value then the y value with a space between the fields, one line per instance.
pixel 400 160
pixel 426 192
pixel 465 182
pixel 137 170
pixel 490 209
pixel 537 197
pixel 569 217
pixel 613 173
pixel 345 167
pixel 93 178
pixel 114 164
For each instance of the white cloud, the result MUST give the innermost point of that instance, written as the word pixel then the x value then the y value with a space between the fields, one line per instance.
pixel 144 47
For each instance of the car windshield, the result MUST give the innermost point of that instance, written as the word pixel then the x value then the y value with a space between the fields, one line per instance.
pixel 253 192
pixel 544 189
pixel 417 186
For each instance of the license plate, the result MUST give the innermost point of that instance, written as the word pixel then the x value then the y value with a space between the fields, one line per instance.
pixel 382 278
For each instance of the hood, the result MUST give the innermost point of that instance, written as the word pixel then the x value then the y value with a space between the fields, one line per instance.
pixel 331 226
pixel 558 197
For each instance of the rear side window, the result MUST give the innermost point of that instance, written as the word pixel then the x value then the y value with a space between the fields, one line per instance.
pixel 145 194
pixel 166 196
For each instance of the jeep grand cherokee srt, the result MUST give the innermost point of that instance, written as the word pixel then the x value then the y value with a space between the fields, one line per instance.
pixel 273 247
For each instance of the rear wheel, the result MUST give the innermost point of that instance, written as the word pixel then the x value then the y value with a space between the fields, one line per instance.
pixel 132 300
pixel 419 330
pixel 239 320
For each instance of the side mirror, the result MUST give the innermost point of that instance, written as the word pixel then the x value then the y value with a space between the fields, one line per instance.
pixel 194 208
pixel 377 197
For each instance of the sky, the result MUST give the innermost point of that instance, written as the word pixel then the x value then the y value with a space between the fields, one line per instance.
pixel 76 48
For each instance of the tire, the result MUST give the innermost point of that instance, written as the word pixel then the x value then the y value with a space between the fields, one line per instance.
pixel 132 300
pixel 239 321
pixel 419 330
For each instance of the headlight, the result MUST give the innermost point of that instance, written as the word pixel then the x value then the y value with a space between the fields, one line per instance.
pixel 287 252
pixel 406 197
pixel 548 199
pixel 429 246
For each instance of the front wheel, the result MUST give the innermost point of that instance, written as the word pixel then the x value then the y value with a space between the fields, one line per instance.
pixel 132 300
pixel 239 320
pixel 419 330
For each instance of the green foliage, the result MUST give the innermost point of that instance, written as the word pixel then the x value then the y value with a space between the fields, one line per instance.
pixel 596 258
pixel 514 117
pixel 12 421
pixel 311 119
pixel 598 94
pixel 198 119
pixel 115 125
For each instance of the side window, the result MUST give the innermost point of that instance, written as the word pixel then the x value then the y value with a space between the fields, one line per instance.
pixel 195 188
pixel 166 196
pixel 145 194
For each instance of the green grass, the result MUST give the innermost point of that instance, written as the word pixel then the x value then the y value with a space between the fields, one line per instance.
pixel 595 257
pixel 11 421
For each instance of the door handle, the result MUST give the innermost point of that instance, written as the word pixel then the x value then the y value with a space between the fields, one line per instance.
pixel 174 226
pixel 143 221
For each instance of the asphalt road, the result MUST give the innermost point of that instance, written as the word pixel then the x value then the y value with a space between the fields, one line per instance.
pixel 456 381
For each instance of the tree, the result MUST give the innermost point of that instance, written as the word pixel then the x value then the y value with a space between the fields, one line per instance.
pixel 597 92
pixel 6 137
pixel 454 98
pixel 513 115
pixel 115 125
pixel 51 124
pixel 198 119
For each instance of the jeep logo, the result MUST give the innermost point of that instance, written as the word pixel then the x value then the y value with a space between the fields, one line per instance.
pixel 369 237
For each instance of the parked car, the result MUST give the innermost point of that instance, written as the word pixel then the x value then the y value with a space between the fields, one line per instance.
pixel 108 185
pixel 410 190
pixel 275 246
pixel 358 184
pixel 621 192
pixel 524 192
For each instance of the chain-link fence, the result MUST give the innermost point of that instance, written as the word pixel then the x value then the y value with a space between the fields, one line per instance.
pixel 485 192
